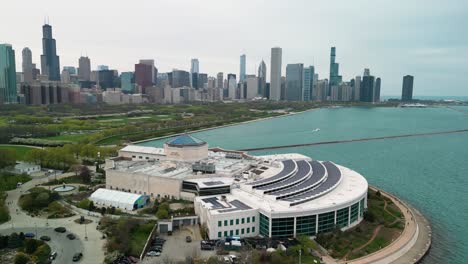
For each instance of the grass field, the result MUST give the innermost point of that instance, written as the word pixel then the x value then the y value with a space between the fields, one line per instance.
pixel 72 138
pixel 139 236
pixel 20 150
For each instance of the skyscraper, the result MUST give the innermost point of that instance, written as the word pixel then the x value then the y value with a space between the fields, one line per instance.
pixel 262 79
pixel 84 69
pixel 143 75
pixel 232 86
pixel 407 89
pixel 308 83
pixel 335 77
pixel 357 88
pixel 377 89
pixel 7 74
pixel 126 82
pixel 294 79
pixel 27 65
pixel 242 68
pixel 154 71
pixel 220 80
pixel 194 66
pixel 180 78
pixel 202 80
pixel 50 62
pixel 275 74
pixel 367 88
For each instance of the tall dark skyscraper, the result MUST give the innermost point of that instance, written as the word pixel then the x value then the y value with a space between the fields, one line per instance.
pixel 50 62
pixel 335 77
pixel 294 79
pixel 377 90
pixel 7 74
pixel 407 89
pixel 367 88
pixel 84 68
pixel 262 79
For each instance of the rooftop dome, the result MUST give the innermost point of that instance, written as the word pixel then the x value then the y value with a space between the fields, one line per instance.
pixel 185 140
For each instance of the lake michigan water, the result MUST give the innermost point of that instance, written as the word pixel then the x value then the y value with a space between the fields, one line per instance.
pixel 430 172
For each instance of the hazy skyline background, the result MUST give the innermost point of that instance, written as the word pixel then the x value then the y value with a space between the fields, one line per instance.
pixel 427 39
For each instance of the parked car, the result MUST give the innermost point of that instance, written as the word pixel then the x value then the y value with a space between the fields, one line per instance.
pixel 45 238
pixel 71 236
pixel 153 254
pixel 188 239
pixel 53 256
pixel 60 229
pixel 77 257
pixel 29 235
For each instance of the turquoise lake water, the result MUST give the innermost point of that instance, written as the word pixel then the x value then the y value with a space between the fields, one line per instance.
pixel 430 172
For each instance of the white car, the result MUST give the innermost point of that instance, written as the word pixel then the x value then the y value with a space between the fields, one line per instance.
pixel 153 254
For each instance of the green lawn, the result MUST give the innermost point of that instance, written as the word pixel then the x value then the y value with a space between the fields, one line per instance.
pixel 139 236
pixel 71 138
pixel 20 150
pixel 9 181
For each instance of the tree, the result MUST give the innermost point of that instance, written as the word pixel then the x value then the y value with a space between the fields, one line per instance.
pixel 21 258
pixel 42 200
pixel 36 156
pixel 7 157
pixel 103 210
pixel 162 213
pixel 14 241
pixel 85 174
pixel 30 245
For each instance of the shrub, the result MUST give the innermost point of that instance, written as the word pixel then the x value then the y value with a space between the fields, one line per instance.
pixel 21 258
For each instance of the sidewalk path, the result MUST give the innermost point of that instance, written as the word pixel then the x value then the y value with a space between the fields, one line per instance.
pixel 92 247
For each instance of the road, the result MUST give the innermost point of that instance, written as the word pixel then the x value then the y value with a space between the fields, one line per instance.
pixel 92 247
pixel 59 242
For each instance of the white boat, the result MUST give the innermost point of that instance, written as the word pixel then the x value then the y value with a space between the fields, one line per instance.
pixel 316 130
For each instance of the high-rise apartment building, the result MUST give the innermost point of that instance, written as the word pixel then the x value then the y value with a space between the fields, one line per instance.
pixel 308 83
pixel 27 65
pixel 220 80
pixel 242 68
pixel 407 89
pixel 275 74
pixel 84 69
pixel 7 74
pixel 50 62
pixel 262 79
pixel 294 79
pixel 194 70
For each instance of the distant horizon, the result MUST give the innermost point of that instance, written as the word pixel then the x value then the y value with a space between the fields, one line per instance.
pixel 386 37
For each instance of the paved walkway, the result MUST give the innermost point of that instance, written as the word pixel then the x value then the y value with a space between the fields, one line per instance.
pixel 409 247
pixel 92 247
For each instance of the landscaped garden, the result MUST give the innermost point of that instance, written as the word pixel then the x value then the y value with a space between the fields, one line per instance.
pixel 383 223
pixel 40 201
pixel 16 248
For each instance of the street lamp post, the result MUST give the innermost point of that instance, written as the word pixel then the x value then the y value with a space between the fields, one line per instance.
pixel 86 232
pixel 35 226
pixel 300 252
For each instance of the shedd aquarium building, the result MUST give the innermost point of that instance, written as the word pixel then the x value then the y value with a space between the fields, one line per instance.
pixel 289 195
pixel 238 194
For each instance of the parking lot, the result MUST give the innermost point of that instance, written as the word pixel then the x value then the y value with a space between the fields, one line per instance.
pixel 177 249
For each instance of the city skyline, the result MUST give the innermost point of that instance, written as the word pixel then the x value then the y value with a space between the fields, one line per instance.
pixel 435 57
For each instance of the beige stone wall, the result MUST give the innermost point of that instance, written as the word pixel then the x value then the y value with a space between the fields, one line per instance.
pixel 143 184
pixel 186 153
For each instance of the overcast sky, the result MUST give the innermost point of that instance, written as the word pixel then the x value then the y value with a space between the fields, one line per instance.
pixel 424 38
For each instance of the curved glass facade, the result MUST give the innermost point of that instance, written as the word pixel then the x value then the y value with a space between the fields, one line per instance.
pixel 310 225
